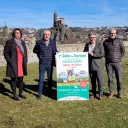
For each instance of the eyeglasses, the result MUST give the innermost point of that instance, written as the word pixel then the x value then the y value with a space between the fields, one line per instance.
pixel 93 37
pixel 113 33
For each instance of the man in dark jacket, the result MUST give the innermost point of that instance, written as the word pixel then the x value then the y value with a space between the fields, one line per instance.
pixel 46 51
pixel 114 51
pixel 96 52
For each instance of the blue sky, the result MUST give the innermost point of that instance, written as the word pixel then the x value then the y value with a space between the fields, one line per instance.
pixel 77 13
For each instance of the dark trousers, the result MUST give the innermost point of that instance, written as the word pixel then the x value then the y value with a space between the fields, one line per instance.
pixel 116 67
pixel 49 70
pixel 96 76
pixel 17 82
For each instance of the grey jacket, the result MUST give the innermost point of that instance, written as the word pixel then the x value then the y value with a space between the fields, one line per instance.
pixel 114 50
pixel 95 61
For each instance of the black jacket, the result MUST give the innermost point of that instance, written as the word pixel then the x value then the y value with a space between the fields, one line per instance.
pixel 114 50
pixel 95 61
pixel 10 54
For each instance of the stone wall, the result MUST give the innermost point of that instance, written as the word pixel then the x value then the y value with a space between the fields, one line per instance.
pixel 125 43
pixel 61 47
pixel 31 56
pixel 2 60
pixel 70 47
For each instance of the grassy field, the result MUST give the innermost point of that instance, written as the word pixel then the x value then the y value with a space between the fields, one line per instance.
pixel 49 113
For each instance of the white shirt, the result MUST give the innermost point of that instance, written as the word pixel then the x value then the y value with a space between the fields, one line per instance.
pixel 91 47
pixel 47 44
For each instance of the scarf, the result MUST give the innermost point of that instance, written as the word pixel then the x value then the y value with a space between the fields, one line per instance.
pixel 18 43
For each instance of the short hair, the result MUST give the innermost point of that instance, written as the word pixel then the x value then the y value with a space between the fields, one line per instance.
pixel 46 31
pixel 111 29
pixel 16 29
pixel 91 33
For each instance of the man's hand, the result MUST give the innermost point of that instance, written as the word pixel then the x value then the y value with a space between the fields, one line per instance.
pixel 91 53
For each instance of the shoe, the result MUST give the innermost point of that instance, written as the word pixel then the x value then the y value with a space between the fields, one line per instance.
pixel 22 96
pixel 111 95
pixel 101 97
pixel 119 96
pixel 16 98
pixel 92 96
pixel 38 97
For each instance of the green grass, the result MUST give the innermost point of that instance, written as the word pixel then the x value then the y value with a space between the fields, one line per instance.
pixel 49 113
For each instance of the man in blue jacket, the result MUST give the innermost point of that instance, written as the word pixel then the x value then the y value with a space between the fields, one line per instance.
pixel 46 51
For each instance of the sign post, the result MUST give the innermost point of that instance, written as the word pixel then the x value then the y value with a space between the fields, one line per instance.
pixel 72 76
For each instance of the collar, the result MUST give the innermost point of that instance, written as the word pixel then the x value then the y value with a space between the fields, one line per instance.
pixel 43 42
pixel 111 38
pixel 16 40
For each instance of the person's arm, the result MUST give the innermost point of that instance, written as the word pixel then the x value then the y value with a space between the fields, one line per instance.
pixel 36 48
pixel 85 48
pixel 100 54
pixel 7 52
pixel 26 52
pixel 122 49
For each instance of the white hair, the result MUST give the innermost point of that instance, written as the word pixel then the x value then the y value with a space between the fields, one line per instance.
pixel 46 31
pixel 111 29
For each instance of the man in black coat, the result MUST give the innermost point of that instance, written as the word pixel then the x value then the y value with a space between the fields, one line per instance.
pixel 114 51
pixel 95 53
pixel 46 51
pixel 16 67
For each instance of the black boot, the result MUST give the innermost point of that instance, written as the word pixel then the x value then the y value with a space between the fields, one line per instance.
pixel 21 86
pixel 13 87
pixel 16 98
pixel 22 96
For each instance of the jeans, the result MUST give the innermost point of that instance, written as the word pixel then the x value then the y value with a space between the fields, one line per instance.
pixel 49 70
pixel 96 76
pixel 116 67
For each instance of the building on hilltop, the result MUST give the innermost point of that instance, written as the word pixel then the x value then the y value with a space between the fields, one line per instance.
pixel 61 32
pixel 58 22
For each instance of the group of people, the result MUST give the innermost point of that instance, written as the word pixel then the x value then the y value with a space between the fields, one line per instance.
pixel 113 50
pixel 15 53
